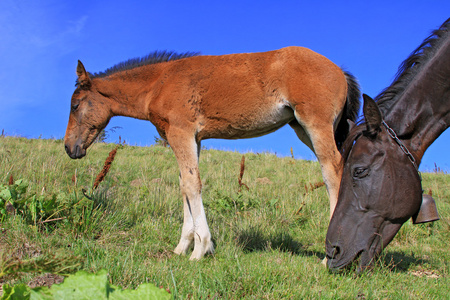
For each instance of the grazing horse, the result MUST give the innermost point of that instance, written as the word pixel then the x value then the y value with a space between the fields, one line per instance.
pixel 190 99
pixel 381 186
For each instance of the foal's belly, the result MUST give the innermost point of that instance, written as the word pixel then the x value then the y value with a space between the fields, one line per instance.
pixel 247 124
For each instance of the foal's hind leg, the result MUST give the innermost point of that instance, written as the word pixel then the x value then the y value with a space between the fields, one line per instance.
pixel 195 227
pixel 329 158
pixel 319 137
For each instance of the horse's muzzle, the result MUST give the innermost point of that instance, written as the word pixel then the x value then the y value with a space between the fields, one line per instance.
pixel 76 152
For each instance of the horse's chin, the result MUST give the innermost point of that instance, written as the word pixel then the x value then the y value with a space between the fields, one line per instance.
pixel 343 263
pixel 361 260
pixel 365 260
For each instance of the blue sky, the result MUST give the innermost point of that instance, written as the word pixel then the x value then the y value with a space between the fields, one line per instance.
pixel 41 42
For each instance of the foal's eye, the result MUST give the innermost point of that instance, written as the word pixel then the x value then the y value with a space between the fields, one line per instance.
pixel 74 107
pixel 360 172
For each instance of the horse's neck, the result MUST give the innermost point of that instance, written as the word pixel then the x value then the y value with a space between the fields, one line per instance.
pixel 422 112
pixel 128 91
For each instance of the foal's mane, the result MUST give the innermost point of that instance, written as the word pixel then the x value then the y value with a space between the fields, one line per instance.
pixel 152 58
pixel 411 66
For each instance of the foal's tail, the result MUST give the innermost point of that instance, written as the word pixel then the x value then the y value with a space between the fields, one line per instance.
pixel 351 109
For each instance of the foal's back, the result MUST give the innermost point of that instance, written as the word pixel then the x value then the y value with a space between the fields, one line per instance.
pixel 246 95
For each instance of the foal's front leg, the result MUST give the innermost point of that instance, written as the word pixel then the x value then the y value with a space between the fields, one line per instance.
pixel 195 226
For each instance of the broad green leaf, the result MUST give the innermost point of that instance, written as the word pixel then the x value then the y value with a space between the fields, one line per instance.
pixel 5 194
pixel 19 291
pixel 82 285
pixel 41 293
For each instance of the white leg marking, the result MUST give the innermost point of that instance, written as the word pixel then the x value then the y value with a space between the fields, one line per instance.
pixel 195 226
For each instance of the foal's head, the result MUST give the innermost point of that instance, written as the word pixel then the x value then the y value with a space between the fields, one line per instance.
pixel 89 115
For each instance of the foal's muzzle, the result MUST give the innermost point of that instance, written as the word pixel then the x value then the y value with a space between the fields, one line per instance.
pixel 75 152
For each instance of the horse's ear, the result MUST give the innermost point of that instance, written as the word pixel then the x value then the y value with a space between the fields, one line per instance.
pixel 351 124
pixel 372 115
pixel 83 77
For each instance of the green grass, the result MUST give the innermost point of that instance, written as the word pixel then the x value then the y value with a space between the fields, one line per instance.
pixel 266 246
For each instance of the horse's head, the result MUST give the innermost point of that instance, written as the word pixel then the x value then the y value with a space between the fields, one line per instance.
pixel 380 190
pixel 89 115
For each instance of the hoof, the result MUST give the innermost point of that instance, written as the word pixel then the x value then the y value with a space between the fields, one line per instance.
pixel 182 247
pixel 200 251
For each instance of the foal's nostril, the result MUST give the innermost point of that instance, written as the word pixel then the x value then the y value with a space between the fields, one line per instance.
pixel 78 151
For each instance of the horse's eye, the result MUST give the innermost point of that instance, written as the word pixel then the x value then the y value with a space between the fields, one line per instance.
pixel 360 172
pixel 74 107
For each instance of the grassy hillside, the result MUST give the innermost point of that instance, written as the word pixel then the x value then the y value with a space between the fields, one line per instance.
pixel 269 239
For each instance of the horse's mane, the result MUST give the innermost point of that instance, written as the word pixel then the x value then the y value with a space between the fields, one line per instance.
pixel 412 66
pixel 409 68
pixel 152 58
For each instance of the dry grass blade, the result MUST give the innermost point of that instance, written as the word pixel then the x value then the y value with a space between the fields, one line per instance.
pixel 75 177
pixel 314 186
pixel 241 174
pixel 300 208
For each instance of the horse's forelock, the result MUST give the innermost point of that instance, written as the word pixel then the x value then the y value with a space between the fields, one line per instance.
pixel 353 135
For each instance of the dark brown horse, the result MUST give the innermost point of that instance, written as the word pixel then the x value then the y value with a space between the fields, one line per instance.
pixel 381 187
pixel 229 97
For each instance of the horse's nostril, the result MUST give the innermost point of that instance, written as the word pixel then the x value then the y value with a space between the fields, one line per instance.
pixel 337 250
pixel 66 148
pixel 334 252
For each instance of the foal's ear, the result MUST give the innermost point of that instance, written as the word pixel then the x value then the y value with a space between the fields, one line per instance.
pixel 83 77
pixel 372 115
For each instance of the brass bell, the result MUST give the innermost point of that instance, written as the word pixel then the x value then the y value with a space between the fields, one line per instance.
pixel 427 212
